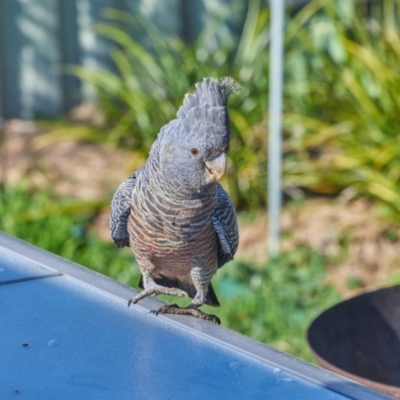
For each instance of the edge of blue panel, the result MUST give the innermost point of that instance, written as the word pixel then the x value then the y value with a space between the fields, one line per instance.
pixel 235 341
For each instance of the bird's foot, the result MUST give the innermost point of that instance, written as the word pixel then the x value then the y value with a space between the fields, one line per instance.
pixel 189 310
pixel 154 291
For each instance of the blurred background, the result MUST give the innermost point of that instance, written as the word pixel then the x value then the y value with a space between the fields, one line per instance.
pixel 85 86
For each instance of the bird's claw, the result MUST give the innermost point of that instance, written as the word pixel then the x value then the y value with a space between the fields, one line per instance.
pixel 156 290
pixel 190 310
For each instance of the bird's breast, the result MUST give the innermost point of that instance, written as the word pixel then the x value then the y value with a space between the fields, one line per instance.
pixel 171 234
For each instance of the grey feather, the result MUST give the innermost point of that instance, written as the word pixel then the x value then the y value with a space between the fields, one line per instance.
pixel 225 224
pixel 120 210
pixel 211 92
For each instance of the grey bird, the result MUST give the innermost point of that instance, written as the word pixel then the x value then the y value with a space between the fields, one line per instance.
pixel 178 220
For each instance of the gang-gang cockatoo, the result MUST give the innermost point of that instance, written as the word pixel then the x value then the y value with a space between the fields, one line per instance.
pixel 173 213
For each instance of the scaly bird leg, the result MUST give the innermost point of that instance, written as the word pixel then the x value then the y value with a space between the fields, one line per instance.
pixel 189 310
pixel 152 289
pixel 192 309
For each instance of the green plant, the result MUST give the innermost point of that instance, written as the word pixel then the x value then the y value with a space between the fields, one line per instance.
pixel 276 303
pixel 62 229
pixel 343 123
pixel 341 101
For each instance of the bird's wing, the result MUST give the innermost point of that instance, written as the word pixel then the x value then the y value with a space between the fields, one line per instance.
pixel 120 210
pixel 225 224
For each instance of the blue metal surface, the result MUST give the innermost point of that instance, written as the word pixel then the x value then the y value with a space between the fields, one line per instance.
pixel 72 336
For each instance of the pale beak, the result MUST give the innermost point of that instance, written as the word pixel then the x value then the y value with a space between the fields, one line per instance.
pixel 215 168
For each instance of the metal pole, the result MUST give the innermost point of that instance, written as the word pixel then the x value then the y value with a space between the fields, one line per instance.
pixel 277 12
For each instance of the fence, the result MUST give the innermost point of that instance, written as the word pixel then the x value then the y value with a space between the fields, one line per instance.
pixel 38 37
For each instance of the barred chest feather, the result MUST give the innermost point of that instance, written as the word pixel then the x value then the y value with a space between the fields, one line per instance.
pixel 173 236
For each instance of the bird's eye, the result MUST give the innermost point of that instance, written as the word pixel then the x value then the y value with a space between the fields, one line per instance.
pixel 194 152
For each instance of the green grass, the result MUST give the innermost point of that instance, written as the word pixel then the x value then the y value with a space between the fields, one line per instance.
pixel 276 303
pixel 273 304
pixel 64 232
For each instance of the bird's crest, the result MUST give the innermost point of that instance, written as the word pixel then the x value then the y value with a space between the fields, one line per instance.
pixel 211 92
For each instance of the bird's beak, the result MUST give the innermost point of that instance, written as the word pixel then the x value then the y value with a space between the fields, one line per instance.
pixel 215 168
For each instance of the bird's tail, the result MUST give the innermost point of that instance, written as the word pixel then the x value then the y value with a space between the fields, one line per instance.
pixel 211 298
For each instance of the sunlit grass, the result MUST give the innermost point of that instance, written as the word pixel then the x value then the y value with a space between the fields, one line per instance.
pixel 63 232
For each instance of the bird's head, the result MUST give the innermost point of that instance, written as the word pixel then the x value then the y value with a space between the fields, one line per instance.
pixel 193 147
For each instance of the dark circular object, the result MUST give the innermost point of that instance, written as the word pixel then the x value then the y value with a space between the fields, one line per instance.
pixel 360 338
pixel 194 152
